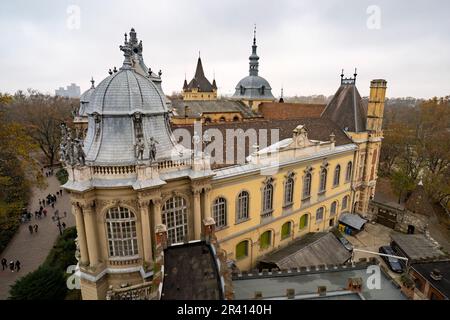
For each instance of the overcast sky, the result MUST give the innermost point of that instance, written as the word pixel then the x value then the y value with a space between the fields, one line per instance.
pixel 303 45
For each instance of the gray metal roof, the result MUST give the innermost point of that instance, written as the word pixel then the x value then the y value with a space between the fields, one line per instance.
pixel 313 249
pixel 352 220
pixel 127 92
pixel 197 108
pixel 252 88
pixel 417 247
pixel 307 283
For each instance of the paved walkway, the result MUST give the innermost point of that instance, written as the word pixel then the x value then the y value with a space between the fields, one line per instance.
pixel 32 249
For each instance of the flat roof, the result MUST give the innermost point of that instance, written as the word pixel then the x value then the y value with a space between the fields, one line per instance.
pixel 307 283
pixel 425 270
pixel 190 273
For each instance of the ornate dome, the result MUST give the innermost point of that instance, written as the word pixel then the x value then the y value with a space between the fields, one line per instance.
pixel 127 92
pixel 254 87
pixel 84 100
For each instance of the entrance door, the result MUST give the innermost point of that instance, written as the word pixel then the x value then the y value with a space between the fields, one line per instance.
pixel 411 229
pixel 174 216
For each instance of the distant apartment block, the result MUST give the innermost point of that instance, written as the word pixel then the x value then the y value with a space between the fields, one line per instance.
pixel 72 91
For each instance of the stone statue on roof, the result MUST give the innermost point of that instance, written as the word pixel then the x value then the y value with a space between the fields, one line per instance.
pixel 152 149
pixel 80 155
pixel 139 149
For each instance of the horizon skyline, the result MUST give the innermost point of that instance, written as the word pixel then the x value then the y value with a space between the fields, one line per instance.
pixel 303 46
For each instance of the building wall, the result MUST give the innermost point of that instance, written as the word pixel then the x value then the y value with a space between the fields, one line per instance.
pixel 196 95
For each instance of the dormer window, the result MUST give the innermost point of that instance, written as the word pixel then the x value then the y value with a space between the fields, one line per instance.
pixel 242 89
pixel 263 90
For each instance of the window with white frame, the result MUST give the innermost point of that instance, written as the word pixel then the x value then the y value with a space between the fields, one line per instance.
pixel 319 214
pixel 337 176
pixel 307 186
pixel 243 206
pixel 174 216
pixel 345 203
pixel 268 198
pixel 348 174
pixel 220 212
pixel 333 208
pixel 122 237
pixel 289 191
pixel 323 180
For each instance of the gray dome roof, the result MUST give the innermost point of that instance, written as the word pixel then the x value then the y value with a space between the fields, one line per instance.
pixel 84 102
pixel 127 92
pixel 251 87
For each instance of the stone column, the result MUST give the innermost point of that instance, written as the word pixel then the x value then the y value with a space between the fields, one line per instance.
pixel 90 222
pixel 207 202
pixel 146 231
pixel 157 203
pixel 81 232
pixel 197 214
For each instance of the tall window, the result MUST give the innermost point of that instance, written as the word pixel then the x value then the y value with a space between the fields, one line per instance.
pixel 323 180
pixel 286 230
pixel 220 212
pixel 122 238
pixel 337 176
pixel 303 221
pixel 333 208
pixel 243 206
pixel 268 198
pixel 242 250
pixel 307 186
pixel 361 166
pixel 345 203
pixel 265 240
pixel 348 173
pixel 319 214
pixel 174 216
pixel 289 191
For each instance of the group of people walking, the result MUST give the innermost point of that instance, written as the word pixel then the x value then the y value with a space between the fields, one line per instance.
pixel 13 266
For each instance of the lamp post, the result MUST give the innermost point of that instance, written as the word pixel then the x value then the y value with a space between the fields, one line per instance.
pixel 57 218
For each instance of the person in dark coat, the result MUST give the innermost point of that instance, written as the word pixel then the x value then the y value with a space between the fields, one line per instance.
pixel 30 227
pixel 11 266
pixel 18 265
pixel 4 264
pixel 36 228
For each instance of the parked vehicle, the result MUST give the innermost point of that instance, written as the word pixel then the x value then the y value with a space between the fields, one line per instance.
pixel 345 243
pixel 393 263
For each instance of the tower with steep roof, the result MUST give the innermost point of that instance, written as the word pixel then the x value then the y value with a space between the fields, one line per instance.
pixel 199 88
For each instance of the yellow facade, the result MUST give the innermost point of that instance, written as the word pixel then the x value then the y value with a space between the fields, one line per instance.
pixel 199 198
pixel 194 94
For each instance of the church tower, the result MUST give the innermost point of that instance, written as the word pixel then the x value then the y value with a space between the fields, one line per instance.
pixel 199 88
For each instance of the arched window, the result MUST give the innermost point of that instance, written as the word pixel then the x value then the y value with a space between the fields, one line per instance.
pixel 207 120
pixel 348 173
pixel 337 176
pixel 243 206
pixel 235 118
pixel 220 212
pixel 268 198
pixel 286 230
pixel 323 180
pixel 307 186
pixel 303 221
pixel 174 216
pixel 319 214
pixel 288 191
pixel 222 119
pixel 242 250
pixel 122 238
pixel 345 203
pixel 265 241
pixel 333 208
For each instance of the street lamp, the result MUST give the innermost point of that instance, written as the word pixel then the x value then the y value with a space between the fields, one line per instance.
pixel 57 218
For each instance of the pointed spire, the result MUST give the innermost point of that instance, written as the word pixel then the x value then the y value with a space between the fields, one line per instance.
pixel 199 71
pixel 92 83
pixel 254 64
pixel 282 96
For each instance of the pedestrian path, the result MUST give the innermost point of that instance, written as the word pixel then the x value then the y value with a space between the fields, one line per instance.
pixel 32 249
